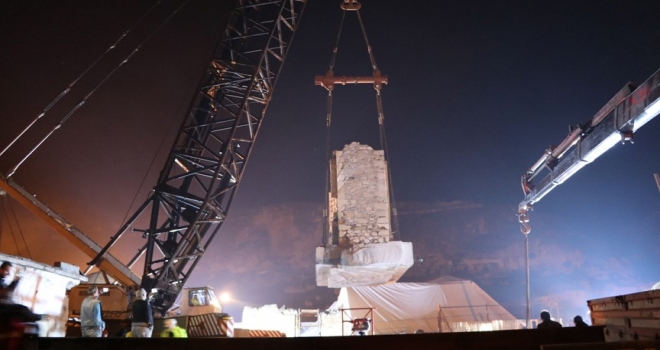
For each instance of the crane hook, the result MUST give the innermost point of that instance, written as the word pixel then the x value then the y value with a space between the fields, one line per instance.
pixel 523 218
pixel 525 228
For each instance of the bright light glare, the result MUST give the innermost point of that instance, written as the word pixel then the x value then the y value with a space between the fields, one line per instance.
pixel 649 113
pixel 224 297
pixel 178 162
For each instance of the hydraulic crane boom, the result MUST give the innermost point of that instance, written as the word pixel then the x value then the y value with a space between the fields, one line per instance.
pixel 617 121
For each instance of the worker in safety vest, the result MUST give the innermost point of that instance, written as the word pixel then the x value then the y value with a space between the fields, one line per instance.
pixel 172 330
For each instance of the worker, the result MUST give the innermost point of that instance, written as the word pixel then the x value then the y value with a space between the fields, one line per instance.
pixel 547 322
pixel 6 272
pixel 579 322
pixel 143 320
pixel 172 330
pixel 91 319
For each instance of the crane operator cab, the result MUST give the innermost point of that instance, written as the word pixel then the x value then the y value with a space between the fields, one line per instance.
pixel 198 301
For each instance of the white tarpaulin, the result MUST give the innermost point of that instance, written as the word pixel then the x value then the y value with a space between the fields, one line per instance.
pixel 446 304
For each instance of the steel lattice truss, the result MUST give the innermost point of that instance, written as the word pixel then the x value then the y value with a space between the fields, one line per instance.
pixel 195 189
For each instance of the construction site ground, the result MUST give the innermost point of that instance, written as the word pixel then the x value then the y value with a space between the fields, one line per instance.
pixel 525 339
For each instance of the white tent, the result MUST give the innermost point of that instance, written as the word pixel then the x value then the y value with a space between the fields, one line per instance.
pixel 446 304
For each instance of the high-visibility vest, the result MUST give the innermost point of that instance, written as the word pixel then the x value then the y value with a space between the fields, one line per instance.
pixel 176 332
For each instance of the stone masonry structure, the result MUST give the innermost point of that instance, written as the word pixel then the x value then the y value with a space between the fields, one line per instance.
pixel 362 196
pixel 359 249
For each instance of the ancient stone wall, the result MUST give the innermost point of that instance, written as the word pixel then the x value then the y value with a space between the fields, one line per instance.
pixel 362 197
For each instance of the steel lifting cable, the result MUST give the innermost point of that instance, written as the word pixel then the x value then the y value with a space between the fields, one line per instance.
pixel 84 100
pixel 525 228
pixel 331 66
pixel 527 278
pixel 11 230
pixel 378 80
pixel 366 40
pixel 381 124
pixel 7 204
pixel 328 121
pixel 383 140
pixel 326 207
pixel 73 83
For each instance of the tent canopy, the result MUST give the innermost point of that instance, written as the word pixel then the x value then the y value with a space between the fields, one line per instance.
pixel 441 304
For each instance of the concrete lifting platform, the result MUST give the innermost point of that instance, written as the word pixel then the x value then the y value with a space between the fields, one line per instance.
pixel 359 248
pixel 371 264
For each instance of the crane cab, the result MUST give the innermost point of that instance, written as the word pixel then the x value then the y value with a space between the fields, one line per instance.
pixel 200 313
pixel 199 301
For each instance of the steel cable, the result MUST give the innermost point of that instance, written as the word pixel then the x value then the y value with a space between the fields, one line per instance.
pixel 84 100
pixel 73 83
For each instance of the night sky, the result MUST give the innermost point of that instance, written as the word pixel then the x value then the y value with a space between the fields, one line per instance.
pixel 477 91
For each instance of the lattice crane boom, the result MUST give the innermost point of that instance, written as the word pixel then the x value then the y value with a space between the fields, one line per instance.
pixel 195 189
pixel 190 202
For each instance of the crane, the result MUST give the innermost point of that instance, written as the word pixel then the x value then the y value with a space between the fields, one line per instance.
pixel 191 199
pixel 630 109
pixel 617 121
